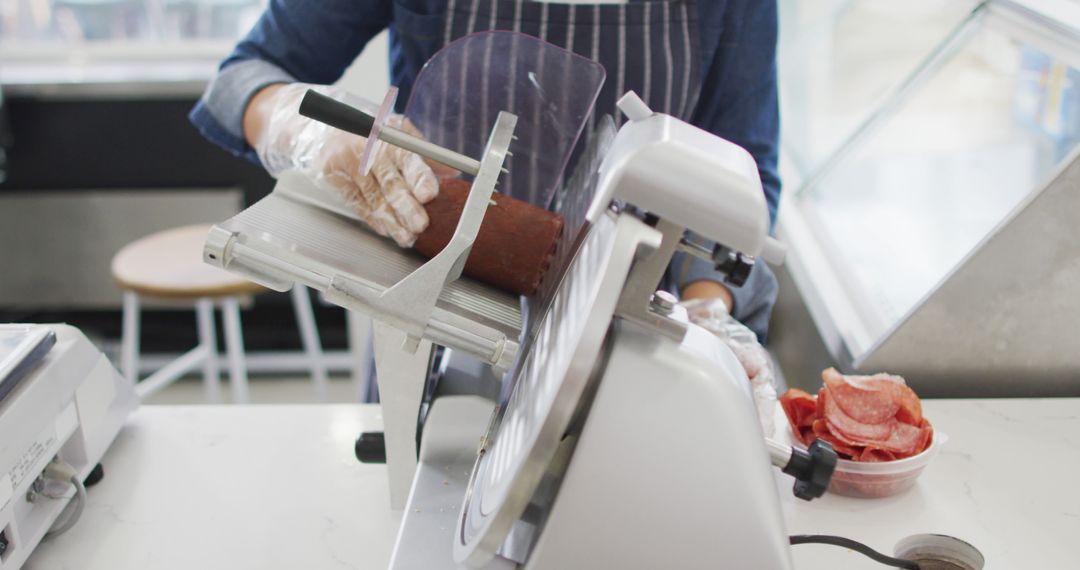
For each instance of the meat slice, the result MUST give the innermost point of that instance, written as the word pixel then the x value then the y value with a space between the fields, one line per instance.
pixel 799 407
pixel 874 455
pixel 865 399
pixel 851 430
pixel 821 431
pixel 910 411
pixel 926 436
pixel 865 418
pixel 904 440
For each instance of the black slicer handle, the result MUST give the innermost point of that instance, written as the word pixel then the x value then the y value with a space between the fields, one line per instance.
pixel 328 110
pixel 813 469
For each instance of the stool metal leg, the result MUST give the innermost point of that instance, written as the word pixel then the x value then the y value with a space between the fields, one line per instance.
pixel 309 335
pixel 129 344
pixel 360 335
pixel 234 346
pixel 204 314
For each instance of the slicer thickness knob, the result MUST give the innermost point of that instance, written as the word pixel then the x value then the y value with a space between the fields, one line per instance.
pixel 735 266
pixel 812 469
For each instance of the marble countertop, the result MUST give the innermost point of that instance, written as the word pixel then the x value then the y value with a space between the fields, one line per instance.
pixel 236 487
pixel 1005 482
pixel 278 487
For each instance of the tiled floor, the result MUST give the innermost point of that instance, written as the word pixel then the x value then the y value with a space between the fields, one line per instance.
pixel 263 390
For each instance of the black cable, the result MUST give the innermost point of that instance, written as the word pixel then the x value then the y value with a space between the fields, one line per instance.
pixel 856 546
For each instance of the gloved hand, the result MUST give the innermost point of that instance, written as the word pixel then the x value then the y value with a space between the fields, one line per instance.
pixel 390 198
pixel 712 315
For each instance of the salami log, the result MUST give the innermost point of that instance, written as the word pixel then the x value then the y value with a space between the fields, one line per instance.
pixel 514 247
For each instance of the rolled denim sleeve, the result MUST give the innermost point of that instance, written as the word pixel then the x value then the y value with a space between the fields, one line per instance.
pixel 293 40
pixel 219 114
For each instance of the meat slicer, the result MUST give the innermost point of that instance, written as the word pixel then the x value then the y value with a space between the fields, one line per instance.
pixel 624 436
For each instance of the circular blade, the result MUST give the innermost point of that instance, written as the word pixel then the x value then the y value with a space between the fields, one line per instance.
pixel 547 389
pixel 371 149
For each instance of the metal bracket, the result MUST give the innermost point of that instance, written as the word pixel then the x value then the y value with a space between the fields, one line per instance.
pixel 401 388
pixel 634 303
pixel 408 304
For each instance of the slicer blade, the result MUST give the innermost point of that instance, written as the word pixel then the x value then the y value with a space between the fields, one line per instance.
pixel 548 386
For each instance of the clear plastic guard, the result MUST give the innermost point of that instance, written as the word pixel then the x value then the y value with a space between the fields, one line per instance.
pixel 371 149
pixel 461 90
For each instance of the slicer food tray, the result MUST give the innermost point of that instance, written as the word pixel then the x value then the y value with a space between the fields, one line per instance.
pixel 301 233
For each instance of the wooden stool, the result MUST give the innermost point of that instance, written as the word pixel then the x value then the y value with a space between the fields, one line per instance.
pixel 168 265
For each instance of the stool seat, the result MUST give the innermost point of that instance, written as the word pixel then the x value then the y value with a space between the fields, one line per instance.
pixel 169 264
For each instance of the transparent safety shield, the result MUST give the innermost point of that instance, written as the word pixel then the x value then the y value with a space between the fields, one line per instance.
pixel 462 89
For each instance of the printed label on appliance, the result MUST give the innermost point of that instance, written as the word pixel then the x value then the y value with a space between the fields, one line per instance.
pixel 7 490
pixel 33 455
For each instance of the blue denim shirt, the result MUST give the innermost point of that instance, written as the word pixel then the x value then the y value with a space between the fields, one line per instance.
pixel 315 42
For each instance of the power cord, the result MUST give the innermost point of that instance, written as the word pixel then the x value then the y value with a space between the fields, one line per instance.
pixel 856 546
pixel 60 471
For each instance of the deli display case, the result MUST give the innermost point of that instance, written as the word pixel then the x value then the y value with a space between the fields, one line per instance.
pixel 934 223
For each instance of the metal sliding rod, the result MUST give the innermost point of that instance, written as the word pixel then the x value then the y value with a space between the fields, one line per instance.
pixel 327 110
pixel 428 149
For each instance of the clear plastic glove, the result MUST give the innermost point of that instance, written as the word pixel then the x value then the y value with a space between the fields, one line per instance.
pixel 713 315
pixel 390 198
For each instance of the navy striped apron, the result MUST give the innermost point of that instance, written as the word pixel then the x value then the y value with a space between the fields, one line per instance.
pixel 650 47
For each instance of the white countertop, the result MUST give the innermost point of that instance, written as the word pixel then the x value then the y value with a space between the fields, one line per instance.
pixel 241 487
pixel 1005 482
pixel 278 487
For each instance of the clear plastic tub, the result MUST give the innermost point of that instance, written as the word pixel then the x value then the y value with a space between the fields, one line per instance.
pixel 874 480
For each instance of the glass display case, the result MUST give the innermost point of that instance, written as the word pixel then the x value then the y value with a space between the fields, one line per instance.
pixel 841 58
pixel 939 238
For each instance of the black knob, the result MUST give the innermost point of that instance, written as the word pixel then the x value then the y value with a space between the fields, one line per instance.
pixel 812 469
pixel 371 447
pixel 735 266
pixel 327 110
pixel 95 476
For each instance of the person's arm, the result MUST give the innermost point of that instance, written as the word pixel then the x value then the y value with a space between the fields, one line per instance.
pixel 739 91
pixel 707 289
pixel 258 111
pixel 293 41
pixel 739 103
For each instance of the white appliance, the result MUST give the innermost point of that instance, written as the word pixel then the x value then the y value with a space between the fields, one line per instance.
pixel 55 424
pixel 628 437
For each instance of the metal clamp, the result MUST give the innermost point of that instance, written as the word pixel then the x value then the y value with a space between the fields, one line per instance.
pixel 408 304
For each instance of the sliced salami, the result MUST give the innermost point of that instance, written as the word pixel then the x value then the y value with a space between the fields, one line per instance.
pixel 866 399
pixel 904 440
pixel 799 407
pixel 874 455
pixel 865 418
pixel 852 430
pixel 926 436
pixel 910 411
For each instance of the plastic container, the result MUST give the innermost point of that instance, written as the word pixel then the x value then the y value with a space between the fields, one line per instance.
pixel 874 480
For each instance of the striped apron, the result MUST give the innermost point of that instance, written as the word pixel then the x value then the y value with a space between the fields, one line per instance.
pixel 650 47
